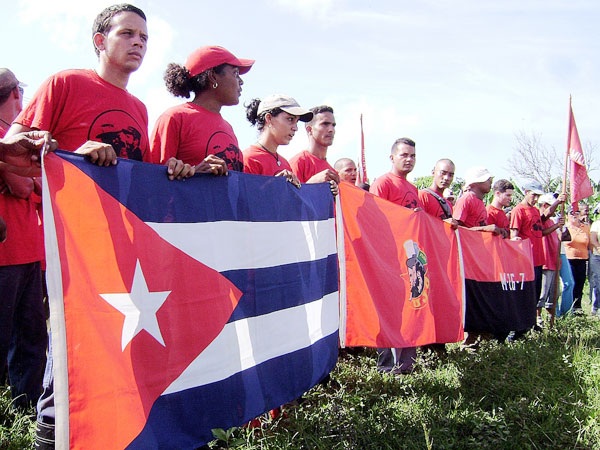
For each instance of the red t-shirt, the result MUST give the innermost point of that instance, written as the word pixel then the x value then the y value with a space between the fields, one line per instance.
pixel 527 220
pixel 397 190
pixel 431 205
pixel 78 105
pixel 262 162
pixel 23 243
pixel 497 217
pixel 305 165
pixel 190 133
pixel 550 244
pixel 470 210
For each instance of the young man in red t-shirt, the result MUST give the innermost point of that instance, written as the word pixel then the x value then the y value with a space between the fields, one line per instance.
pixel 550 245
pixel 98 116
pixel 432 197
pixel 526 223
pixel 91 113
pixel 469 210
pixel 394 186
pixel 503 191
pixel 434 204
pixel 311 166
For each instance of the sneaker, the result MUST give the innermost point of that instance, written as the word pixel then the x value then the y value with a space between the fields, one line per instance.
pixel 44 436
pixel 399 371
pixel 472 341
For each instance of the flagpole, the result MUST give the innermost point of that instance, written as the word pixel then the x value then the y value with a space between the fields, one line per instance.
pixel 362 169
pixel 562 213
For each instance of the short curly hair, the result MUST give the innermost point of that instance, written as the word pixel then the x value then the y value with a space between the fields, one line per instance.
pixel 180 83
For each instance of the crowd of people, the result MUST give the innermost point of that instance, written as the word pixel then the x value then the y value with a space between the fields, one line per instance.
pixel 90 112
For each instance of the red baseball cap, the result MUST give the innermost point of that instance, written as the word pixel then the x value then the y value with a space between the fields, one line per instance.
pixel 211 56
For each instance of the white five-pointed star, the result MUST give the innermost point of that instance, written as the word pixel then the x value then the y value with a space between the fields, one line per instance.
pixel 139 308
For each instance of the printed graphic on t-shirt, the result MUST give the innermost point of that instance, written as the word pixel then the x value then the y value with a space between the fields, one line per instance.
pixel 537 228
pixel 409 201
pixel 221 145
pixel 119 129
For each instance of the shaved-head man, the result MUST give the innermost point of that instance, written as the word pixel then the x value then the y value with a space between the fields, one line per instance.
pixel 432 198
pixel 346 169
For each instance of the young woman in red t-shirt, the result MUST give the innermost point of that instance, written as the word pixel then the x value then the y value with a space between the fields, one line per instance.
pixel 276 118
pixel 195 132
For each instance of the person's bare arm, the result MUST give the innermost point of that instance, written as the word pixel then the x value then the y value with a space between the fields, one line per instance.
pixel 324 176
pixel 453 222
pixel 553 228
pixel 37 186
pixel 18 186
pixel 20 150
pixel 594 240
pixel 2 230
pixel 495 229
pixel 561 199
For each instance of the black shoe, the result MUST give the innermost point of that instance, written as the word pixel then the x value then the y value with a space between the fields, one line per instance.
pixel 44 436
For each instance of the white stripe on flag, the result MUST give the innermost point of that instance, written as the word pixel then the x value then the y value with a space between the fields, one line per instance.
pixel 230 245
pixel 294 328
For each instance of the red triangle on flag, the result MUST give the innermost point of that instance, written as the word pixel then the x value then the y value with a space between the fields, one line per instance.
pixel 111 388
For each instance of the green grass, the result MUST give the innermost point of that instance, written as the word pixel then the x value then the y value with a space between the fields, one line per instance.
pixel 16 427
pixel 539 393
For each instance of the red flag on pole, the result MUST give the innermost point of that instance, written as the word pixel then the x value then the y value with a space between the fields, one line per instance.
pixel 362 165
pixel 580 182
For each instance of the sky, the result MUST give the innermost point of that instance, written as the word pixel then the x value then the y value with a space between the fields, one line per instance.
pixel 459 77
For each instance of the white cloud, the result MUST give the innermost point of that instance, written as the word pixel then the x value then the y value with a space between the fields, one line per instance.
pixel 320 9
pixel 66 23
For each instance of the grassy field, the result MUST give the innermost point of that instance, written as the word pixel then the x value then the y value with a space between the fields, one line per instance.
pixel 539 393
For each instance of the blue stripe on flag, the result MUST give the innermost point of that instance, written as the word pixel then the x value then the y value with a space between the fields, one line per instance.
pixel 206 198
pixel 274 288
pixel 236 399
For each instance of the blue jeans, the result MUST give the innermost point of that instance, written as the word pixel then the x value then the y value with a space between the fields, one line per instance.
pixel 23 335
pixel 568 284
pixel 595 281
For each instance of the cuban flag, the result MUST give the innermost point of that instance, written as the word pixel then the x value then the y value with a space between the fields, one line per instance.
pixel 182 306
